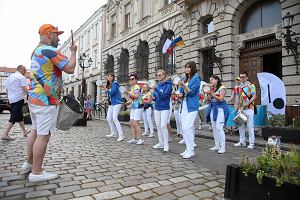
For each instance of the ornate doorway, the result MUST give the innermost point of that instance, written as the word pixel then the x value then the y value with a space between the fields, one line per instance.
pixel 258 56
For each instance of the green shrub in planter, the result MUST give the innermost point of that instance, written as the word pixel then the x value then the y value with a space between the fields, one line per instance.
pixel 297 122
pixel 124 116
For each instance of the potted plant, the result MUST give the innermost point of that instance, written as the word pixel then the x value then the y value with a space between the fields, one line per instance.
pixel 276 127
pixel 124 116
pixel 274 175
pixel 27 118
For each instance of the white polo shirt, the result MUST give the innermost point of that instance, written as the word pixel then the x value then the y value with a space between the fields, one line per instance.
pixel 14 85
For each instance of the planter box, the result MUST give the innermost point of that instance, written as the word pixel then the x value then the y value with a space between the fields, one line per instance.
pixel 81 122
pixel 287 134
pixel 124 118
pixel 27 120
pixel 240 187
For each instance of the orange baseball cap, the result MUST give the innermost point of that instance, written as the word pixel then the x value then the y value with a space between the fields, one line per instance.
pixel 48 28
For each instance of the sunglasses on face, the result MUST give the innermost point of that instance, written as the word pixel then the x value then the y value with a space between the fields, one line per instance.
pixel 159 74
pixel 242 76
pixel 132 79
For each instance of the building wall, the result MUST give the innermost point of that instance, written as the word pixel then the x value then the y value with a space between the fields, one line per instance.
pixel 88 40
pixel 185 18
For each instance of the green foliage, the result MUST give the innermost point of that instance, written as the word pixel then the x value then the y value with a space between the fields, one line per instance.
pixel 283 167
pixel 297 122
pixel 276 120
pixel 27 114
pixel 125 113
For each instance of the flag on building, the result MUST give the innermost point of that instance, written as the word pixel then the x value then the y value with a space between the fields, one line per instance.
pixel 171 44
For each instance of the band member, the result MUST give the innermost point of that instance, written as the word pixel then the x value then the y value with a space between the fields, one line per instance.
pixel 246 102
pixel 136 110
pixel 147 112
pixel 114 106
pixel 235 92
pixel 162 95
pixel 189 106
pixel 219 112
pixel 176 108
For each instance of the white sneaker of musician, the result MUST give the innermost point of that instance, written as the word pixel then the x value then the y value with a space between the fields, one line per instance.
pixel 121 138
pixel 189 154
pixel 140 141
pixel 111 135
pixel 44 176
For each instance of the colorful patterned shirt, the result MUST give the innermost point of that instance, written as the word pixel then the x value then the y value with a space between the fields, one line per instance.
pixel 137 103
pixel 218 92
pixel 250 90
pixel 46 85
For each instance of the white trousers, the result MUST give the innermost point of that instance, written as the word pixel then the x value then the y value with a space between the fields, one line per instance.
pixel 188 128
pixel 218 128
pixel 178 121
pixel 161 120
pixel 112 119
pixel 249 113
pixel 147 118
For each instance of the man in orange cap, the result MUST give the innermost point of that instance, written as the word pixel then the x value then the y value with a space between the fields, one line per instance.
pixel 45 90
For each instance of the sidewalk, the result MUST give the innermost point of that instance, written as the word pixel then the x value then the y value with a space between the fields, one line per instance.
pixel 230 137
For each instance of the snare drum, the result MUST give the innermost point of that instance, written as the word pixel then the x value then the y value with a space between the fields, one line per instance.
pixel 240 118
pixel 122 89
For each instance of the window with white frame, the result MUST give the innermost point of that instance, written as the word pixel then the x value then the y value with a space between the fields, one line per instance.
pixel 145 8
pixel 96 31
pixel 88 37
pixel 81 42
pixel 127 16
pixel 113 25
pixel 95 58
pixel 167 2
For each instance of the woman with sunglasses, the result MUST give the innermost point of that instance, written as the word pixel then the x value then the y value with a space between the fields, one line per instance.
pixel 136 110
pixel 219 112
pixel 162 94
pixel 189 92
pixel 115 105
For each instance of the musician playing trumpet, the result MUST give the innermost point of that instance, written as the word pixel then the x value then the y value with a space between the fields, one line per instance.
pixel 218 112
pixel 114 106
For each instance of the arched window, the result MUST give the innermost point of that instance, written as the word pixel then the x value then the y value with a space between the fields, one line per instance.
pixel 208 25
pixel 261 14
pixel 165 64
pixel 123 63
pixel 142 59
pixel 109 65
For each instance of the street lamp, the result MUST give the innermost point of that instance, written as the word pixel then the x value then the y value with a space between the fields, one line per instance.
pixel 82 58
pixel 291 45
pixel 216 60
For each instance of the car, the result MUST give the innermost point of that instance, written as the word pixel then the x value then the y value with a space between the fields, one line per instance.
pixel 4 105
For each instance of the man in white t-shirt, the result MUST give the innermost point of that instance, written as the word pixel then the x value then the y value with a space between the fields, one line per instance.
pixel 16 87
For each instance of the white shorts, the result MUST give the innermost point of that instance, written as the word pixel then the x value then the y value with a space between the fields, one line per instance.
pixel 44 118
pixel 136 114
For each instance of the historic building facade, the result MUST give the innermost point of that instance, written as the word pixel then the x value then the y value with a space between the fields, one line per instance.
pixel 88 40
pixel 249 38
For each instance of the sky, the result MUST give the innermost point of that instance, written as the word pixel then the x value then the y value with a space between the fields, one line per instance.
pixel 20 21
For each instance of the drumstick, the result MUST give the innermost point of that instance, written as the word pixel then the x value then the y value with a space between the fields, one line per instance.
pixel 72 37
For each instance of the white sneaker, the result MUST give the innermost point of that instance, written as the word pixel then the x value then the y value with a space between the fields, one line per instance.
pixel 145 134
pixel 158 146
pixel 121 138
pixel 151 135
pixel 140 141
pixel 183 153
pixel 188 154
pixel 166 149
pixel 45 176
pixel 251 146
pixel 221 151
pixel 239 144
pixel 133 141
pixel 215 148
pixel 181 141
pixel 111 135
pixel 26 166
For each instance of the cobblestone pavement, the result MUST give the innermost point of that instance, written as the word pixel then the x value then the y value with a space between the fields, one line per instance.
pixel 91 166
